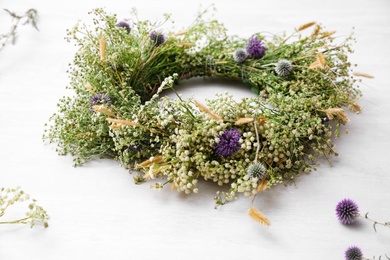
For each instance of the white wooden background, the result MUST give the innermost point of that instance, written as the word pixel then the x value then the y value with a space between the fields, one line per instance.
pixel 97 212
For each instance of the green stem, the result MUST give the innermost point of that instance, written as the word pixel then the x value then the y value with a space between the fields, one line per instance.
pixel 185 107
pixel 258 141
pixel 386 224
pixel 19 221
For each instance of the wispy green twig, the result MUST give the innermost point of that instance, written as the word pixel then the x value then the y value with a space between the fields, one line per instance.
pixel 29 17
pixel 35 215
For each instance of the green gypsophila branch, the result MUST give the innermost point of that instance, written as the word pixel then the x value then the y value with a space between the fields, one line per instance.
pixel 35 214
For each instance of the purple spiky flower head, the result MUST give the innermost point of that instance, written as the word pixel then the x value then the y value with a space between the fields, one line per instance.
pixel 125 25
pixel 353 253
pixel 157 38
pixel 256 48
pixel 347 211
pixel 99 99
pixel 229 142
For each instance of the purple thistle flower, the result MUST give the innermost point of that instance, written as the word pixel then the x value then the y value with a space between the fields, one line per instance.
pixel 347 211
pixel 157 37
pixel 229 142
pixel 256 47
pixel 99 99
pixel 353 253
pixel 124 24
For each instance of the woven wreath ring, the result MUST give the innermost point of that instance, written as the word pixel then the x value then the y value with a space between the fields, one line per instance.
pixel 304 82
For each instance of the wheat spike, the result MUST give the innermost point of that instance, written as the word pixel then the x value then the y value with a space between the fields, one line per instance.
pixel 115 127
pixel 321 59
pixel 339 112
pixel 356 108
pixel 156 159
pixel 244 120
pixel 362 74
pixel 314 65
pixel 181 32
pixel 316 30
pixel 103 109
pixel 206 110
pixel 327 34
pixel 343 116
pixel 120 122
pixel 102 48
pixel 257 216
pixel 305 26
pixel 186 44
pixel 262 185
pixel 319 63
pixel 332 111
pixel 89 87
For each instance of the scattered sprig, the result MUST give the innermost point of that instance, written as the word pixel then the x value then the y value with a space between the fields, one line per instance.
pixel 29 17
pixel 35 214
pixel 355 253
pixel 347 212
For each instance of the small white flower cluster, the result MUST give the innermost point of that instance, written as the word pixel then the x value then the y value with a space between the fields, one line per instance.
pixel 35 215
pixel 167 83
pixel 187 136
pixel 246 185
pixel 190 148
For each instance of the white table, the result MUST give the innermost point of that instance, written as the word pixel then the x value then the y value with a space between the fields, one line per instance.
pixel 97 212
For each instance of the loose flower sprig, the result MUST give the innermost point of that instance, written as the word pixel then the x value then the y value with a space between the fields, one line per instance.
pixel 35 214
pixel 347 212
pixel 243 146
pixel 29 17
pixel 355 253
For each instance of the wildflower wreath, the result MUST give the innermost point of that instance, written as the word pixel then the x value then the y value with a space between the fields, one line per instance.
pixel 303 81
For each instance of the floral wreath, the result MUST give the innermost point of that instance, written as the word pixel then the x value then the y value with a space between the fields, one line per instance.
pixel 303 82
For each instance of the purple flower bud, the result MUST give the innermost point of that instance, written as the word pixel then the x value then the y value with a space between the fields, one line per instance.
pixel 98 99
pixel 256 48
pixel 124 24
pixel 347 211
pixel 229 142
pixel 157 37
pixel 353 253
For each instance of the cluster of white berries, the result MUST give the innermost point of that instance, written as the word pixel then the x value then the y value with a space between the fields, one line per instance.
pixel 190 150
